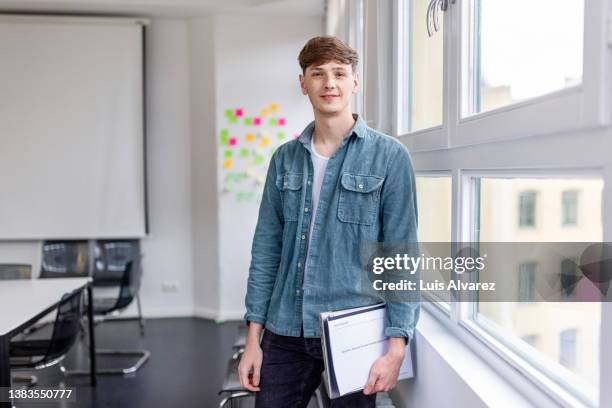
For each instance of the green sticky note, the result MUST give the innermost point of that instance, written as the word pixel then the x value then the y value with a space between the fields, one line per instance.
pixel 248 121
pixel 244 152
pixel 229 112
pixel 273 121
pixel 273 150
pixel 259 159
pixel 233 119
pixel 224 140
pixel 228 154
pixel 280 135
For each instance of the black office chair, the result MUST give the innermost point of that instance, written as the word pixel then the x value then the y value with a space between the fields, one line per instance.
pixel 50 344
pixel 110 266
pixel 65 259
pixel 15 271
pixel 129 286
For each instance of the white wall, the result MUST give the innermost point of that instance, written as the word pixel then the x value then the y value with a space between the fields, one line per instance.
pixel 205 222
pixel 256 64
pixel 168 250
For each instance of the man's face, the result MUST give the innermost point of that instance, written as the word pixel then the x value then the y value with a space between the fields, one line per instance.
pixel 329 86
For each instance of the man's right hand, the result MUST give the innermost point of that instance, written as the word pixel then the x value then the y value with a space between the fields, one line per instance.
pixel 250 361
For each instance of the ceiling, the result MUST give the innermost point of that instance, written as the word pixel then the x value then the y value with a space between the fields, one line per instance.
pixel 168 8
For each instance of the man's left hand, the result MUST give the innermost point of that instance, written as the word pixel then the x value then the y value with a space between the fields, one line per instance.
pixel 385 370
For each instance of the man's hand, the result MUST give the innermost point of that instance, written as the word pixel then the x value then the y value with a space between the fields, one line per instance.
pixel 250 361
pixel 385 370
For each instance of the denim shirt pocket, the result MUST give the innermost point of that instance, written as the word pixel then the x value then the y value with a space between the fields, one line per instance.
pixel 359 197
pixel 290 186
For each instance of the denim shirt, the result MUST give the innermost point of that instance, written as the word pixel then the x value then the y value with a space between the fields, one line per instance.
pixel 368 195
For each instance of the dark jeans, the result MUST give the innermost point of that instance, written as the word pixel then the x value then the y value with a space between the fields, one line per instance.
pixel 291 372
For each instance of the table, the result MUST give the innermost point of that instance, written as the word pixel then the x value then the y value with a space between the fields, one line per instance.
pixel 24 302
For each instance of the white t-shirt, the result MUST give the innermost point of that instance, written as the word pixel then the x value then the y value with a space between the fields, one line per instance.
pixel 319 164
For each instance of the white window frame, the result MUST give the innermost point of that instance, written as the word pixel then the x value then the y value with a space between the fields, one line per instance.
pixel 581 107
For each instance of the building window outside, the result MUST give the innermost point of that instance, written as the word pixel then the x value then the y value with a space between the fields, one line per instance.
pixel 526 287
pixel 569 204
pixel 527 207
pixel 567 348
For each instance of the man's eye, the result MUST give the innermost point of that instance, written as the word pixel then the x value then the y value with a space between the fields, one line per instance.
pixel 340 74
pixel 316 74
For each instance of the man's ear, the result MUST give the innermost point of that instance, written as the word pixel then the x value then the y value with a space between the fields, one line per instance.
pixel 356 82
pixel 302 85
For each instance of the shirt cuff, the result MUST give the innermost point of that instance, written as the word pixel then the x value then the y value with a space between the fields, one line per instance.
pixel 398 332
pixel 252 317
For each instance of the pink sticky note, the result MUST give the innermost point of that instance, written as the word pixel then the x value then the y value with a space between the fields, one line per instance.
pixel 257 121
pixel 239 112
pixel 281 121
pixel 233 141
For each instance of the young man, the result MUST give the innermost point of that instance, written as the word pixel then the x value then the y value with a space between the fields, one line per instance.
pixel 339 185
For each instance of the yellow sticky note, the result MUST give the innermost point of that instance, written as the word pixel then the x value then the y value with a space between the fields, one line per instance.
pixel 264 113
pixel 274 107
pixel 265 141
pixel 227 164
pixel 250 137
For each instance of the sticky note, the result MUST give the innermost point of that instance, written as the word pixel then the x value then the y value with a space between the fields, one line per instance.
pixel 265 141
pixel 248 121
pixel 238 112
pixel 273 151
pixel 250 137
pixel 244 152
pixel 280 135
pixel 257 121
pixel 228 112
pixel 265 113
pixel 233 119
pixel 259 159
pixel 273 121
pixel 223 140
pixel 233 141
pixel 281 121
pixel 274 107
pixel 227 164
pixel 228 154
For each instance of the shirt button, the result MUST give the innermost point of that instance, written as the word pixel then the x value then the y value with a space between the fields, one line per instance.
pixel 285 184
pixel 299 265
pixel 297 291
pixel 306 209
pixel 309 182
pixel 303 236
pixel 361 186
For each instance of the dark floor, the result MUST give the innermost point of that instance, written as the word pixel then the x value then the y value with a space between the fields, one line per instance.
pixel 186 368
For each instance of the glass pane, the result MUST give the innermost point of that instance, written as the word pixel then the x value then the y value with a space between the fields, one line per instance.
pixel 424 66
pixel 522 49
pixel 434 207
pixel 561 335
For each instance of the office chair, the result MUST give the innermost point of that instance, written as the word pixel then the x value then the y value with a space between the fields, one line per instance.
pixel 15 271
pixel 65 259
pixel 48 346
pixel 129 286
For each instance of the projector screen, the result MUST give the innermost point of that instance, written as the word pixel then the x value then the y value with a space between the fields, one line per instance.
pixel 71 128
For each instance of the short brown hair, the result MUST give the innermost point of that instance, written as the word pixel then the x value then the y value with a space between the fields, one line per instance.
pixel 323 49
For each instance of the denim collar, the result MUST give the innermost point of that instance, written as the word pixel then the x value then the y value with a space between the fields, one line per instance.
pixel 359 129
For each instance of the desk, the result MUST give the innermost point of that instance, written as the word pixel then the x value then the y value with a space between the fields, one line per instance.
pixel 26 301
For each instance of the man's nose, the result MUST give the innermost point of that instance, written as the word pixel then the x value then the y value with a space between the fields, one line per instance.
pixel 329 82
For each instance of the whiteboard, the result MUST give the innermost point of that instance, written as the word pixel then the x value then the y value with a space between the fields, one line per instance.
pixel 71 129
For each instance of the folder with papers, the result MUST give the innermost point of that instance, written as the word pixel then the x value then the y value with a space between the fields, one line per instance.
pixel 352 340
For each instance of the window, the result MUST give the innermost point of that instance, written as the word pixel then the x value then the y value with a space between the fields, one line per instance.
pixel 514 62
pixel 423 66
pixel 567 348
pixel 577 367
pixel 527 273
pixel 569 202
pixel 434 204
pixel 527 208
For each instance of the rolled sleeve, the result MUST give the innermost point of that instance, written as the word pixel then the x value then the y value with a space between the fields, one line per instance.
pixel 399 225
pixel 266 250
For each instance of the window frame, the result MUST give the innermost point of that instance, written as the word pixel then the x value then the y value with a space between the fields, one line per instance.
pixel 580 107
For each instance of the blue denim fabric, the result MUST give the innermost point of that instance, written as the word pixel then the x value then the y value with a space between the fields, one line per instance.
pixel 368 195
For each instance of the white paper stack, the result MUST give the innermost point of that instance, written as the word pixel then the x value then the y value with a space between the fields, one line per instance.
pixel 352 340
